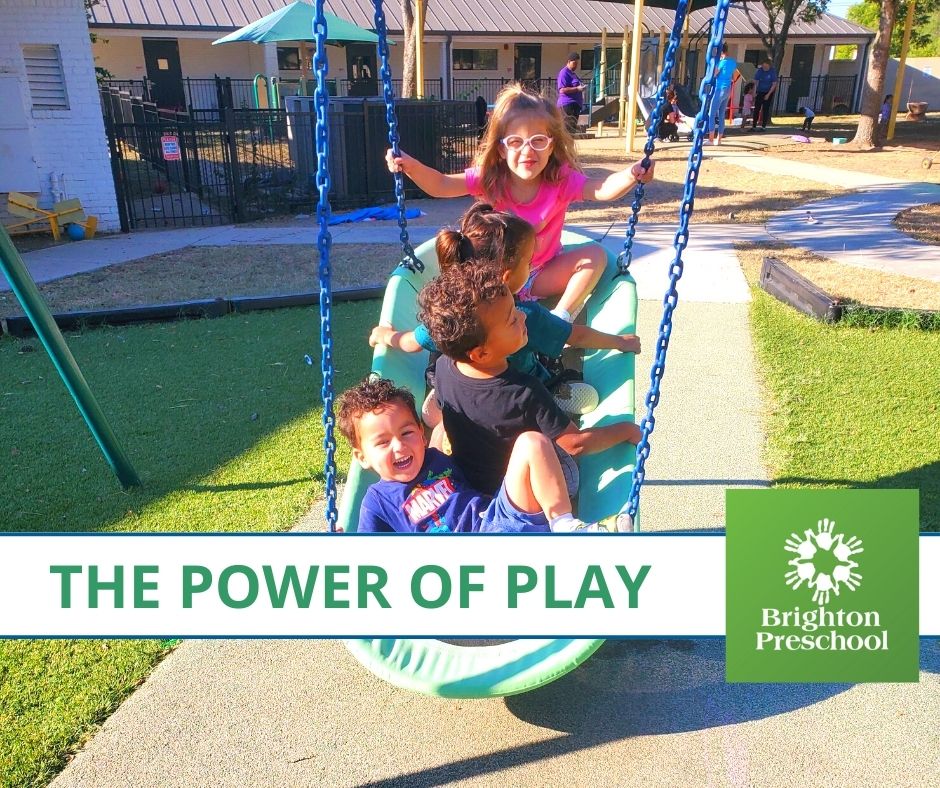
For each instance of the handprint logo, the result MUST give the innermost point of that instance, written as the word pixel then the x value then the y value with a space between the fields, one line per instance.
pixel 823 561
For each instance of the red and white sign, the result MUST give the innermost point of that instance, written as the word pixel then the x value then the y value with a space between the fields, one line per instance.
pixel 171 147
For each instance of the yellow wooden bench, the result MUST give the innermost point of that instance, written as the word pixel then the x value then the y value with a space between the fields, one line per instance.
pixel 26 209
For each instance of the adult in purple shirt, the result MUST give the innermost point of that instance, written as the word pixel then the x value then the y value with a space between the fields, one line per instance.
pixel 570 91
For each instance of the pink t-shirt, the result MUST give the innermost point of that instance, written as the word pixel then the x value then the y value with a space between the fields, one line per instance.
pixel 546 213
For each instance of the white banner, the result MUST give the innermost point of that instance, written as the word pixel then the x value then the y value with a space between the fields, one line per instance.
pixel 323 585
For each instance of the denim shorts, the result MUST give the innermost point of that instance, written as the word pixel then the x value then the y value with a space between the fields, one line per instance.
pixel 502 517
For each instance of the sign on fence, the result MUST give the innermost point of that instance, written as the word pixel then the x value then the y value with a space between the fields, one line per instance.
pixel 171 147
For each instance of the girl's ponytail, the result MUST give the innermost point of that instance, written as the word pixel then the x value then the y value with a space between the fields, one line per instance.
pixel 453 248
pixel 485 236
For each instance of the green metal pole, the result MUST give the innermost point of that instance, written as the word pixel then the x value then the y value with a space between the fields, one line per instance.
pixel 11 264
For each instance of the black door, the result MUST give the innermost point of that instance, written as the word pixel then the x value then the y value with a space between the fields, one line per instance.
pixel 527 64
pixel 162 59
pixel 801 75
pixel 360 67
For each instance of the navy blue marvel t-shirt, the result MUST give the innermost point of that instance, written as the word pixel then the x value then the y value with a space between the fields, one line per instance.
pixel 437 500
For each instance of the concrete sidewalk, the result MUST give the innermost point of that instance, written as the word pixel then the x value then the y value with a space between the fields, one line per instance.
pixel 858 229
pixel 770 165
pixel 638 713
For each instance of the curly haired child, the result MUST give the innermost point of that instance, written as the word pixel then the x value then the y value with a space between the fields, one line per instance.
pixel 501 239
pixel 486 404
pixel 421 490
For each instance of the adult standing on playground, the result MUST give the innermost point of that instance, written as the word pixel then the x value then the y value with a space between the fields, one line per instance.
pixel 724 78
pixel 570 91
pixel 765 85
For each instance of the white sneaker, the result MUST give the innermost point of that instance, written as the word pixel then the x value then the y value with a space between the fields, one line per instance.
pixel 572 525
pixel 576 398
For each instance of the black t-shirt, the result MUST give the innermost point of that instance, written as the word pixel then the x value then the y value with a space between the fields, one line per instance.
pixel 483 418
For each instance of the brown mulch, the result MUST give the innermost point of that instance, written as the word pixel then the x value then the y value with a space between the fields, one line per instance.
pixel 202 272
pixel 922 222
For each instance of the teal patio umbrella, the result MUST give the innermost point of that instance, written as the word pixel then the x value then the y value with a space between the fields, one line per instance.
pixel 294 22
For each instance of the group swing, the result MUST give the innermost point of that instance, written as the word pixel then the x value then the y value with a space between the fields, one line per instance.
pixel 484 327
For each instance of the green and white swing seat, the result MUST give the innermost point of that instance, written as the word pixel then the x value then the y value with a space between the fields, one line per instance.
pixel 431 666
pixel 437 668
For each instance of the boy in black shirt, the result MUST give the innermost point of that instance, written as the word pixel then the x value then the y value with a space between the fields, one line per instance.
pixel 472 318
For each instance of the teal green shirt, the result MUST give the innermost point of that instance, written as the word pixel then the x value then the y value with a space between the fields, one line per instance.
pixel 548 334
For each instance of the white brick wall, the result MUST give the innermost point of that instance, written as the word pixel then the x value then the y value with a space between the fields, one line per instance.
pixel 70 142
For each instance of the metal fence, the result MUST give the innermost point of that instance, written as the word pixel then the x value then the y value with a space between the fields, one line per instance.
pixel 221 92
pixel 215 166
pixel 468 89
pixel 826 94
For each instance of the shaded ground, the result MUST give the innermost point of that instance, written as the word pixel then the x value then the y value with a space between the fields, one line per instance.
pixel 212 272
pixel 922 222
pixel 864 285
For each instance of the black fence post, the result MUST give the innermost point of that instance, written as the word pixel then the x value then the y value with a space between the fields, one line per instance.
pixel 120 187
pixel 367 143
pixel 234 170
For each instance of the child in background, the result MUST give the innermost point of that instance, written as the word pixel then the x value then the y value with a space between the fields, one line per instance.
pixel 808 116
pixel 422 491
pixel 471 316
pixel 669 125
pixel 505 241
pixel 885 113
pixel 526 164
pixel 747 104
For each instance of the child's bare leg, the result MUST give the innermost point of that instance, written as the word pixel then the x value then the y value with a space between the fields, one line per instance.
pixel 534 479
pixel 438 437
pixel 431 411
pixel 574 274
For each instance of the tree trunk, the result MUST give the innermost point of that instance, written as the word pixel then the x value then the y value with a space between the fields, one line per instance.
pixel 868 134
pixel 409 85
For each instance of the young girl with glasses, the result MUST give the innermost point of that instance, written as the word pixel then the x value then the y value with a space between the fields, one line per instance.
pixel 526 164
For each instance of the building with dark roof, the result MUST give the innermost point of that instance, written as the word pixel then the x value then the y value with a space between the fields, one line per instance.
pixel 470 45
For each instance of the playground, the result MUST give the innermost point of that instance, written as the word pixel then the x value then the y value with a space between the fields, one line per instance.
pixel 781 412
pixel 225 425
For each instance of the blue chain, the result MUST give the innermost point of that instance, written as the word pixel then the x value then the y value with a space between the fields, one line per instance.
pixel 409 258
pixel 669 61
pixel 324 243
pixel 680 241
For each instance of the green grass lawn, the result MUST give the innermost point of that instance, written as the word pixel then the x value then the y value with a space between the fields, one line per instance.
pixel 221 419
pixel 851 407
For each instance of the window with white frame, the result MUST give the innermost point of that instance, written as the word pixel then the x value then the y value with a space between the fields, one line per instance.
pixel 475 60
pixel 45 76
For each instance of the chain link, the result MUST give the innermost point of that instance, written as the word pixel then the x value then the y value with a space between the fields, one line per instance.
pixel 669 62
pixel 324 244
pixel 409 258
pixel 680 241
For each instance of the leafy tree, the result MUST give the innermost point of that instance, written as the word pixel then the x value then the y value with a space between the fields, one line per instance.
pixel 100 73
pixel 925 36
pixel 772 19
pixel 890 21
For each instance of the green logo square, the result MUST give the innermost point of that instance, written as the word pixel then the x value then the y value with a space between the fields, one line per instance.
pixel 822 585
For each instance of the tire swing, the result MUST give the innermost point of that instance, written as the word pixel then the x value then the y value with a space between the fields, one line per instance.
pixel 430 666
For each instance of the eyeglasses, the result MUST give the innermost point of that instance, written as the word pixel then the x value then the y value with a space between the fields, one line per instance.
pixel 537 142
